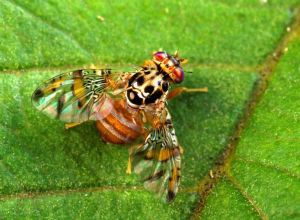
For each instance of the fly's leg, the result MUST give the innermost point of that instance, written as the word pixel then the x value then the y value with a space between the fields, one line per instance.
pixel 130 151
pixel 181 150
pixel 179 90
pixel 72 125
pixel 129 167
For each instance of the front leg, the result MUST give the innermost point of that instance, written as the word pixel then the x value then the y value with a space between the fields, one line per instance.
pixel 179 90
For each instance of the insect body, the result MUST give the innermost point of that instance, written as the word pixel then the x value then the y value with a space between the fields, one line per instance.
pixel 121 125
pixel 126 107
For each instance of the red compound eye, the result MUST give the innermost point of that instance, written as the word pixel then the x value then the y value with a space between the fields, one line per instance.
pixel 178 75
pixel 160 56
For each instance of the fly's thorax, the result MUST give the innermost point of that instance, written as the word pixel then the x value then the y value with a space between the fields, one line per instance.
pixel 146 87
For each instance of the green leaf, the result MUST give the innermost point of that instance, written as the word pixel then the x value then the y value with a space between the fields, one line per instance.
pixel 38 156
pixel 265 170
pixel 63 33
pixel 48 172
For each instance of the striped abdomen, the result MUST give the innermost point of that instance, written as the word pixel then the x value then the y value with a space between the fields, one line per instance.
pixel 120 126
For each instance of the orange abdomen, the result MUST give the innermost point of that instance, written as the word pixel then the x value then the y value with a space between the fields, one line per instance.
pixel 121 125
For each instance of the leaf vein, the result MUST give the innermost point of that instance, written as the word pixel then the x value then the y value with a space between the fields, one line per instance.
pixel 37 194
pixel 270 166
pixel 243 192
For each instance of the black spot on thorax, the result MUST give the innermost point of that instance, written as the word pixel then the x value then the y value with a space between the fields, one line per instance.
pixel 140 80
pixel 165 86
pixel 130 81
pixel 149 89
pixel 133 97
pixel 153 97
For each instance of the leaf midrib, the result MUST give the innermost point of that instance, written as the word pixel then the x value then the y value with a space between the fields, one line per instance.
pixel 222 166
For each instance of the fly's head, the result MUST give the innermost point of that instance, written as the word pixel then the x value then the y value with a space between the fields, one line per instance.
pixel 170 65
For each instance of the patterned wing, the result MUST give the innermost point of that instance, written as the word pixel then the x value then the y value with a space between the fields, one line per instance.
pixel 76 96
pixel 158 161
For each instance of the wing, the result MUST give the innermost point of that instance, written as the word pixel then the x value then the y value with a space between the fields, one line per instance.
pixel 158 161
pixel 75 96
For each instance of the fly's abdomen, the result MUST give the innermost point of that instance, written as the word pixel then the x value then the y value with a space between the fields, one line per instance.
pixel 120 126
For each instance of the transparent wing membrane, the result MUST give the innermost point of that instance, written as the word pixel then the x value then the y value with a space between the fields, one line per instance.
pixel 73 97
pixel 158 160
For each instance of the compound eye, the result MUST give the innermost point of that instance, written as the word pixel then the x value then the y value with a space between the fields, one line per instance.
pixel 178 75
pixel 160 56
pixel 171 68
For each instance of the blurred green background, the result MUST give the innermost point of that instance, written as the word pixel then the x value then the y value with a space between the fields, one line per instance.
pixel 237 48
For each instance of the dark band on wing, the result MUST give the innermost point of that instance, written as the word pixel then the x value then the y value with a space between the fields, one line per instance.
pixel 37 94
pixel 170 196
pixel 60 105
pixel 162 156
pixel 156 176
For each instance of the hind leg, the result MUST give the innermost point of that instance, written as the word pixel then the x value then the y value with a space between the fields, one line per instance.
pixel 179 90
